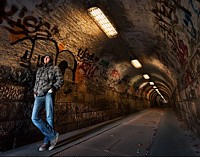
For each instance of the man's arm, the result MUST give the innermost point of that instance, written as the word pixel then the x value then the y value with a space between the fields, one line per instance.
pixel 36 81
pixel 59 78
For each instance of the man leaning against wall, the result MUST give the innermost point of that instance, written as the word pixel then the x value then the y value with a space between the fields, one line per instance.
pixel 49 79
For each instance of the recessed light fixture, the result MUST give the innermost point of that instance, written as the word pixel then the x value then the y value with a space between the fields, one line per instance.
pixel 146 76
pixel 136 63
pixel 102 21
pixel 151 83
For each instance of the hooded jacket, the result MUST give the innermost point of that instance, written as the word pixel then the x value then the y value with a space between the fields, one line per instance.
pixel 47 77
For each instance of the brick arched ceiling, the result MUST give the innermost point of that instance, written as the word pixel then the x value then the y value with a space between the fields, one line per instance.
pixel 153 32
pixel 161 34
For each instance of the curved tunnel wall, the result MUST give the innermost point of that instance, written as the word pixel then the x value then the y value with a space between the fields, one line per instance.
pixel 98 86
pixel 94 89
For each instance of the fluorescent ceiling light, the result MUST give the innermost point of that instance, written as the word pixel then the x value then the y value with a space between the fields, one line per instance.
pixel 102 21
pixel 151 83
pixel 154 87
pixel 165 101
pixel 136 63
pixel 146 76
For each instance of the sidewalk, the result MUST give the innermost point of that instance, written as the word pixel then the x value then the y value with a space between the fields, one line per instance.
pixel 160 131
pixel 65 139
pixel 127 137
pixel 174 138
pixel 155 132
pixel 32 149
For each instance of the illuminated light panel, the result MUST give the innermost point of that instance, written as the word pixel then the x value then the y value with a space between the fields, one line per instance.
pixel 154 87
pixel 151 83
pixel 146 76
pixel 136 63
pixel 102 21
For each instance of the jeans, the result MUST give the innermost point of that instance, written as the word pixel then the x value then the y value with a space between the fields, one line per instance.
pixel 46 127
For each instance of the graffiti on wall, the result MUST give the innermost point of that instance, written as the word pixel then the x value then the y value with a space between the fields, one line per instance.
pixel 195 7
pixel 196 64
pixel 188 18
pixel 87 64
pixel 165 15
pixel 91 67
pixel 187 22
pixel 173 18
pixel 116 81
pixel 186 78
pixel 101 70
pixel 26 27
pixel 190 77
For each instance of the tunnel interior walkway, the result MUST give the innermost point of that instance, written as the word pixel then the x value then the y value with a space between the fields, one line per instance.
pixel 153 132
pixel 101 78
pixel 173 138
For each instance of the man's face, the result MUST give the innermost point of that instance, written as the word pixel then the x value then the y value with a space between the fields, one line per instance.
pixel 46 59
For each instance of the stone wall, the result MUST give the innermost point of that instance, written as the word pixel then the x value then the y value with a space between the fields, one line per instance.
pixel 187 103
pixel 91 92
pixel 75 109
pixel 183 34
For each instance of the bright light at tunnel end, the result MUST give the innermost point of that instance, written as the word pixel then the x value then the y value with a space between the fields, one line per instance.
pixel 164 100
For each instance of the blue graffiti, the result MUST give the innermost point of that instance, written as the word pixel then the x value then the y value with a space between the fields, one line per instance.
pixel 188 23
pixel 197 11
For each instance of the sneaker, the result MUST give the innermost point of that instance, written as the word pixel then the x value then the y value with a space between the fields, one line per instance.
pixel 53 142
pixel 44 147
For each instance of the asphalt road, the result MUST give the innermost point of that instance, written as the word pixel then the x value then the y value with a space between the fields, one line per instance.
pixel 154 132
pixel 173 138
